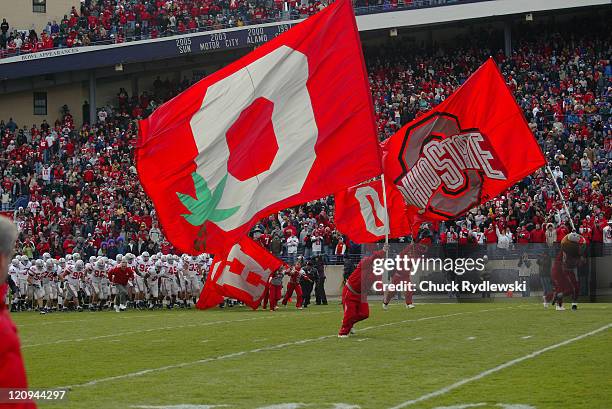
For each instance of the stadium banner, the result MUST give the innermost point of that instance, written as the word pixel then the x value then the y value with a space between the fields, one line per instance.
pixel 288 123
pixel 242 274
pixel 465 151
pixel 360 212
pixel 83 58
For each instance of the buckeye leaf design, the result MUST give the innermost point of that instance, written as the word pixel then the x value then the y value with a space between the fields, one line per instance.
pixel 204 206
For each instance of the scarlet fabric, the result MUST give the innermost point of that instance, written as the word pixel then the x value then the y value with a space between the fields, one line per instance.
pixel 564 279
pixel 292 286
pixel 274 295
pixel 211 295
pixel 12 371
pixel 465 151
pixel 342 134
pixel 241 274
pixel 360 212
pixel 355 310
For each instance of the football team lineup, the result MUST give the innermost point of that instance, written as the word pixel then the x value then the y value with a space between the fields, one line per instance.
pixel 435 356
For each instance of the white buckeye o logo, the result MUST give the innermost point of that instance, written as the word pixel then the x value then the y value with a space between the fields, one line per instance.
pixel 280 77
pixel 369 213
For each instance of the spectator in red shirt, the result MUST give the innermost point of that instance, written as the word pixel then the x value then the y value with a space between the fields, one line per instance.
pixel 537 234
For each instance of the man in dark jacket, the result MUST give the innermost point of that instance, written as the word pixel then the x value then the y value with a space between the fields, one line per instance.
pixel 311 276
pixel 320 296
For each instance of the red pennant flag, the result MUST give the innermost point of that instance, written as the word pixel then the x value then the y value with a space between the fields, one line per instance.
pixel 360 212
pixel 465 151
pixel 288 123
pixel 242 274
pixel 211 294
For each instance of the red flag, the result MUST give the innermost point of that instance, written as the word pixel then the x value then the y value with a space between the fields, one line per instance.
pixel 465 151
pixel 211 294
pixel 242 274
pixel 360 212
pixel 288 123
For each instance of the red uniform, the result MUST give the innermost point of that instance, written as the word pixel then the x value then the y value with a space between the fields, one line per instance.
pixel 274 290
pixel 564 279
pixel 355 303
pixel 294 274
pixel 12 371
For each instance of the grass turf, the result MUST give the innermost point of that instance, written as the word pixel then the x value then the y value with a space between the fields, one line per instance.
pixel 247 359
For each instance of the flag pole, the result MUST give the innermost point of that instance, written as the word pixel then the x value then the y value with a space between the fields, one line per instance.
pixel 386 215
pixel 386 278
pixel 561 196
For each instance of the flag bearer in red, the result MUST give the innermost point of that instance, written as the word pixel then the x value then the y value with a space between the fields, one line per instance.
pixel 295 273
pixel 354 296
pixel 564 269
pixel 276 286
pixel 12 371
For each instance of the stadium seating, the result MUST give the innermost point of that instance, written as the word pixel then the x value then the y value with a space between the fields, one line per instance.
pixel 75 188
pixel 117 21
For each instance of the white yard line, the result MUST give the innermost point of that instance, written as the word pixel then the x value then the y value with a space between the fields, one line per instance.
pixel 498 368
pixel 252 351
pixel 167 328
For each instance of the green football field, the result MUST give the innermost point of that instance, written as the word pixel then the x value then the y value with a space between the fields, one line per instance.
pixel 511 355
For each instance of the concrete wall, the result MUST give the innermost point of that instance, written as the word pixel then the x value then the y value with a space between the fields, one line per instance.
pixel 19 14
pixel 467 11
pixel 20 105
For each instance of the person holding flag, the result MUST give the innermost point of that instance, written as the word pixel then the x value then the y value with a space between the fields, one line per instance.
pixel 354 293
pixel 295 274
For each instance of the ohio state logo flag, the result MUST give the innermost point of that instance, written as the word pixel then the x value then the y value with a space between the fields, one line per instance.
pixel 288 123
pixel 465 151
pixel 360 212
pixel 242 274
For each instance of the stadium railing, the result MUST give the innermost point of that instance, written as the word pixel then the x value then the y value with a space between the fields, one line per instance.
pixel 284 16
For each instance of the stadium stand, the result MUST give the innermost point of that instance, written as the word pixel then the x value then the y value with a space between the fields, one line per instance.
pixel 75 189
pixel 117 21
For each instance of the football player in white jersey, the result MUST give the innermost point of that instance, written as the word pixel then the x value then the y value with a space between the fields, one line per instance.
pixel 100 290
pixel 50 284
pixel 105 282
pixel 168 284
pixel 61 267
pixel 14 270
pixel 69 261
pixel 25 289
pixel 35 277
pixel 72 276
pixel 132 291
pixel 86 287
pixel 192 280
pixel 141 266
pixel 152 278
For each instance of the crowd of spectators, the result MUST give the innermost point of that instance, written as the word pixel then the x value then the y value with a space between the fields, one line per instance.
pixel 117 21
pixel 562 81
pixel 75 188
